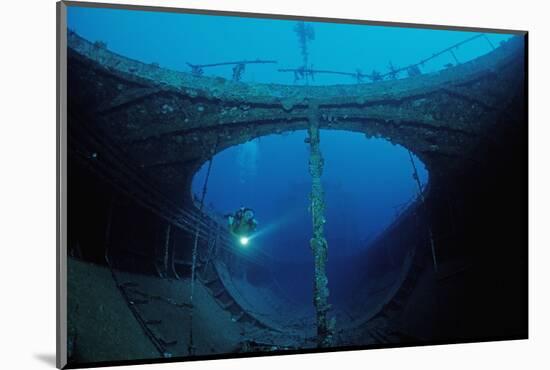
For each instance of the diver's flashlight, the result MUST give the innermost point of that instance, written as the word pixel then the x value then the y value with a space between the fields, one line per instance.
pixel 244 240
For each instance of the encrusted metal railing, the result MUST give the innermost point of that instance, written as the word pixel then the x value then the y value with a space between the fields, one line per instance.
pixel 305 72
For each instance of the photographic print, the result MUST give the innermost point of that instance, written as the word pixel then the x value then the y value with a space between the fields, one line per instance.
pixel 246 184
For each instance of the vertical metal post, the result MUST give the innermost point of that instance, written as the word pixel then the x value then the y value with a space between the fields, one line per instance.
pixel 489 41
pixel 191 347
pixel 454 56
pixel 423 200
pixel 166 248
pixel 212 247
pixel 108 228
pixel 172 257
pixel 318 242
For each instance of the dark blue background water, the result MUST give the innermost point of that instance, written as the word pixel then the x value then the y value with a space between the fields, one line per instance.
pixel 366 180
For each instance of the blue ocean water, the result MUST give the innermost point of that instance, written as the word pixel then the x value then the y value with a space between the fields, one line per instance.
pixel 174 39
pixel 367 181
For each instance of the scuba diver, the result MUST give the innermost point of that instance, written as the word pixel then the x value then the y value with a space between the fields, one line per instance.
pixel 242 223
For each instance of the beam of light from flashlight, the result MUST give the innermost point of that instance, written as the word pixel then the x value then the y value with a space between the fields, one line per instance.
pixel 244 241
pixel 274 226
pixel 267 229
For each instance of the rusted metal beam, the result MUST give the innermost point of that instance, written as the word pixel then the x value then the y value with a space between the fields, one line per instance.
pixel 318 243
pixel 423 200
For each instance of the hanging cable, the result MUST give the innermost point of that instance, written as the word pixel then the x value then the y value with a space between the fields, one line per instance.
pixel 423 200
pixel 191 347
pixel 318 243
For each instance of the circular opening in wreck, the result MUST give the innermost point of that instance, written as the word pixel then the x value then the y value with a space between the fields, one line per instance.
pixel 369 185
